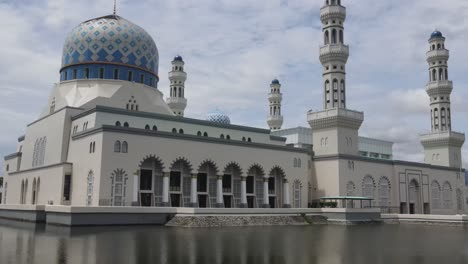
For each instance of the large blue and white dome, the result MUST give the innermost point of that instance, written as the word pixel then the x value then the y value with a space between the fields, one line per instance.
pixel 110 47
pixel 218 117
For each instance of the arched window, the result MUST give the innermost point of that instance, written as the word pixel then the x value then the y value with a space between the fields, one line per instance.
pixel 295 162
pixel 205 134
pixel 118 123
pixel 433 46
pixel 243 138
pixel 435 195
pixel 341 37
pixel 441 74
pixel 91 147
pixel 181 131
pixel 384 192
pixel 434 75
pixel 199 133
pixel 299 163
pixel 228 137
pixel 446 74
pixel 297 194
pixel 368 187
pixel 327 37
pixel 117 146
pixel 447 195
pixel 249 140
pixel 94 146
pixel 222 136
pixel 147 127
pixel 174 130
pixel 126 124
pixel 438 46
pixel 333 37
pixel 155 128
pixel 124 147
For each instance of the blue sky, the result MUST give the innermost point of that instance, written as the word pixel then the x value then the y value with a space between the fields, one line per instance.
pixel 233 49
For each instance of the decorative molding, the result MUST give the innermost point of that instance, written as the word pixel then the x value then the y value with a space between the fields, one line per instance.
pixel 151 133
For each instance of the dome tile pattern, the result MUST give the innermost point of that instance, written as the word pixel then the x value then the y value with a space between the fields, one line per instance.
pixel 218 117
pixel 111 39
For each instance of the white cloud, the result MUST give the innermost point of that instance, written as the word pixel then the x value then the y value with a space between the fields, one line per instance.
pixel 233 49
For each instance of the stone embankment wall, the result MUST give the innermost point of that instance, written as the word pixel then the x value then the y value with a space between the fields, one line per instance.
pixel 226 221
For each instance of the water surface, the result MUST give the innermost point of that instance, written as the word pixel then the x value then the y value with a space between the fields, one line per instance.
pixel 327 244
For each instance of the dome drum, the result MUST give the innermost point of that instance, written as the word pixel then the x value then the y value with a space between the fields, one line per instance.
pixel 109 72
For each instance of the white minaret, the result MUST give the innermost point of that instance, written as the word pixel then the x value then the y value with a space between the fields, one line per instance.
pixel 335 129
pixel 177 78
pixel 441 146
pixel 275 119
pixel 334 54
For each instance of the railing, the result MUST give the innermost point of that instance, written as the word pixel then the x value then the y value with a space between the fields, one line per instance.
pixel 335 112
pixel 437 53
pixel 439 84
pixel 333 10
pixel 334 48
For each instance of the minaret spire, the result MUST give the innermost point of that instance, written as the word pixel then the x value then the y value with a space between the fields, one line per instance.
pixel 115 7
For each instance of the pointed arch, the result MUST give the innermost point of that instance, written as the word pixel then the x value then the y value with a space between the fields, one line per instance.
pixel 384 192
pixel 326 37
pixel 118 123
pixel 276 177
pixel 210 163
pixel 181 160
pixel 435 194
pixel 368 187
pixel 447 195
pixel 117 146
pixel 124 147
pixel 297 194
pixel 333 36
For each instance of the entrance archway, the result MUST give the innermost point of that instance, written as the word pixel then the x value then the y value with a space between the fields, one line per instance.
pixel 180 183
pixel 232 186
pixel 275 187
pixel 255 186
pixel 151 182
pixel 206 184
pixel 414 197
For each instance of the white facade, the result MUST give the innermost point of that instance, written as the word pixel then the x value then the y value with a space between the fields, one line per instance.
pixel 108 141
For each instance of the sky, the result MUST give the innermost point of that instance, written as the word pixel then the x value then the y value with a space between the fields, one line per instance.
pixel 233 49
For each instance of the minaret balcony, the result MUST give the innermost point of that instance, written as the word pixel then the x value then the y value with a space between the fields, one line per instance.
pixel 334 52
pixel 439 87
pixel 442 138
pixel 275 97
pixel 176 102
pixel 333 12
pixel 434 55
pixel 177 75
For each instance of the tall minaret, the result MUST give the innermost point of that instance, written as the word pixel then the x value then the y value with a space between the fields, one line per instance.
pixel 335 129
pixel 334 54
pixel 441 146
pixel 177 78
pixel 275 119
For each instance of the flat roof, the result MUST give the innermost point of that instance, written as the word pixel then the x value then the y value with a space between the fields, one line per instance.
pixel 346 198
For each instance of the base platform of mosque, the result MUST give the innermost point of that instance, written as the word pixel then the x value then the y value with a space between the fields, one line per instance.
pixel 189 217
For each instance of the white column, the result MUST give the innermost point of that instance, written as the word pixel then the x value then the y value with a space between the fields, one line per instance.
pixel 286 198
pixel 266 203
pixel 193 193
pixel 165 192
pixel 135 189
pixel 243 192
pixel 219 192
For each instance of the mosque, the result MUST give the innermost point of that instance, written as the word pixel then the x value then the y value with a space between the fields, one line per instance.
pixel 108 137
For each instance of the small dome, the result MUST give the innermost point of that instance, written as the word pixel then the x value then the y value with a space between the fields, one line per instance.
pixel 178 58
pixel 218 117
pixel 275 81
pixel 436 34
